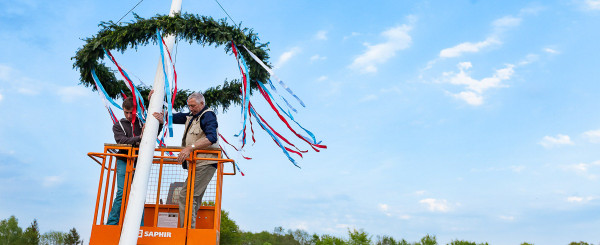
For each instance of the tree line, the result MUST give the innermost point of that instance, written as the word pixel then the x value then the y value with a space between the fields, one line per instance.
pixel 12 234
pixel 231 234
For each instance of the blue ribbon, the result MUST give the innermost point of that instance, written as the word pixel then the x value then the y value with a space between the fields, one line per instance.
pixel 246 101
pixel 97 81
pixel 286 102
pixel 314 140
pixel 133 90
pixel 274 138
pixel 167 91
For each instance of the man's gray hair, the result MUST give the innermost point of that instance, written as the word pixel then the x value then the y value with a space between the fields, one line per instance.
pixel 197 96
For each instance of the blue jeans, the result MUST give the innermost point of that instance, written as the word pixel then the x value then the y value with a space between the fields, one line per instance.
pixel 115 211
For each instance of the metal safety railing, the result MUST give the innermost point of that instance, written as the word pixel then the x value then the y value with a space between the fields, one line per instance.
pixel 166 181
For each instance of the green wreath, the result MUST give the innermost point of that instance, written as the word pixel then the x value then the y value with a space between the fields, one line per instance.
pixel 192 28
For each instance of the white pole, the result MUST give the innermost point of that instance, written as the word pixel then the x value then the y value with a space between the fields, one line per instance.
pixel 139 187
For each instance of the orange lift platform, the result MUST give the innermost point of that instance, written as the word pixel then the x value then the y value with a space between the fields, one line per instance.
pixel 161 210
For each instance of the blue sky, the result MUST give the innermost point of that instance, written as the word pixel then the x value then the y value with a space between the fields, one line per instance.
pixel 474 120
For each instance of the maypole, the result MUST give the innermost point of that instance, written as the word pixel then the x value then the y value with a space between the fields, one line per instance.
pixel 139 186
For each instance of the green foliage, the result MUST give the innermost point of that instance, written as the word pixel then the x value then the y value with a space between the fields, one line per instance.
pixel 328 240
pixel 10 232
pixel 31 236
pixel 526 243
pixel 230 232
pixel 385 240
pixel 428 240
pixel 358 237
pixel 580 243
pixel 249 238
pixel 208 203
pixel 457 242
pixel 72 238
pixel 191 28
pixel 403 242
pixel 53 238
pixel 301 236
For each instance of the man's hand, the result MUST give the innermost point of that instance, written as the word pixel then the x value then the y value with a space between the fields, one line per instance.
pixel 184 154
pixel 150 94
pixel 159 116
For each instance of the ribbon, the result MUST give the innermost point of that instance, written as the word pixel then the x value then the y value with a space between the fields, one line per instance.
pixel 262 86
pixel 247 158
pixel 139 111
pixel 167 90
pixel 276 133
pixel 285 151
pixel 313 145
pixel 273 75
pixel 99 87
pixel 245 93
pixel 234 163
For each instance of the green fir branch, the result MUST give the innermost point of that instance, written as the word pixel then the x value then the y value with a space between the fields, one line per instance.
pixel 189 27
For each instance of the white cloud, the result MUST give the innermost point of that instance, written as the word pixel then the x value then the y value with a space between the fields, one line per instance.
pixel 397 39
pixel 530 58
pixel 404 216
pixel 383 207
pixel 334 89
pixel 517 169
pixel 507 218
pixel 580 199
pixel 50 181
pixel 583 169
pixel 18 82
pixel 470 97
pixel 5 72
pixel 317 57
pixel 499 26
pixel 369 97
pixel 506 21
pixel 479 86
pixel 475 88
pixel 513 168
pixel 28 91
pixel 287 56
pixel 467 47
pixel 420 192
pixel 592 135
pixel 321 35
pixel 353 34
pixel 300 226
pixel 551 51
pixel 72 93
pixel 533 10
pixel 393 89
pixel 560 139
pixel 322 78
pixel 592 4
pixel 343 226
pixel 435 205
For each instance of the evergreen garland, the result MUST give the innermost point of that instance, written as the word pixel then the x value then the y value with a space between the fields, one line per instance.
pixel 192 28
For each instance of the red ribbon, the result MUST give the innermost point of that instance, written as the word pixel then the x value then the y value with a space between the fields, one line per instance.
pixel 264 94
pixel 132 88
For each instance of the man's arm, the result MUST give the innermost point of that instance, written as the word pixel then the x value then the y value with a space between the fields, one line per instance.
pixel 209 125
pixel 178 118
pixel 122 138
